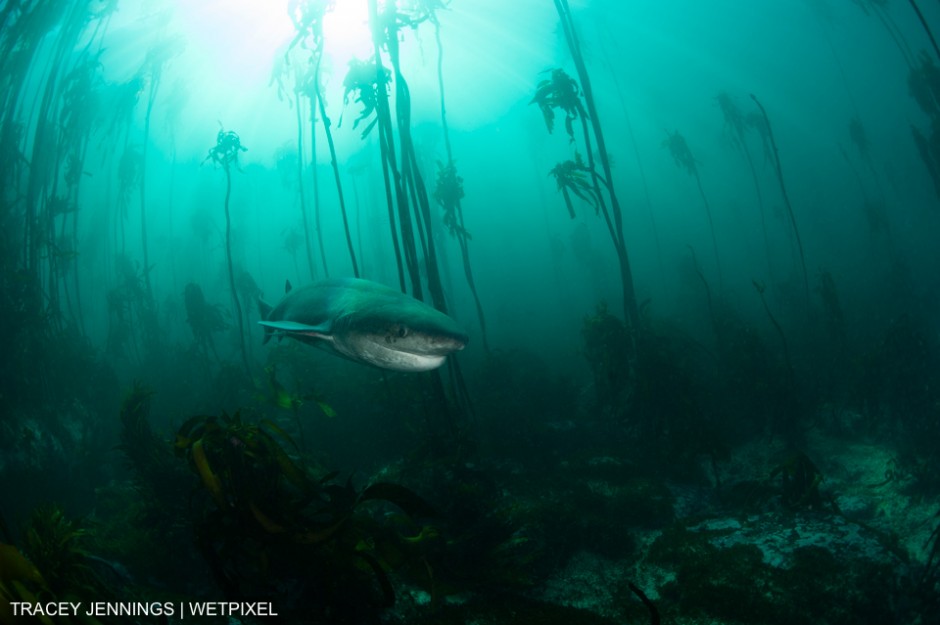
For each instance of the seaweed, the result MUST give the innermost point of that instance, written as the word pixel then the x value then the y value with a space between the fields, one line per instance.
pixel 926 26
pixel 157 57
pixel 571 180
pixel 20 581
pixel 448 193
pixel 310 31
pixel 564 92
pixel 364 80
pixel 879 8
pixel 924 86
pixel 410 192
pixel 735 583
pixel 268 521
pixel 930 579
pixel 56 545
pixel 736 122
pixel 783 190
pixel 799 482
pixel 149 457
pixel 406 195
pixel 225 153
pixel 605 340
pixel 683 157
pixel 133 331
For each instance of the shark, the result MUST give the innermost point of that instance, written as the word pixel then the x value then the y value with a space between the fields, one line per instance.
pixel 366 322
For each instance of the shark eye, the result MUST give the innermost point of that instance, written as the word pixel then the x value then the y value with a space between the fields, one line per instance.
pixel 402 332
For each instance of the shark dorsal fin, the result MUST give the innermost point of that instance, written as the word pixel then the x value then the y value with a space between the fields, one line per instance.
pixel 287 287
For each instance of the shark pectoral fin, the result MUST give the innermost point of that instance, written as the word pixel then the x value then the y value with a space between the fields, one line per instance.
pixel 292 327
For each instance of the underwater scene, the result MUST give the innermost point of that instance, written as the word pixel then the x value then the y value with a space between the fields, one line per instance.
pixel 484 312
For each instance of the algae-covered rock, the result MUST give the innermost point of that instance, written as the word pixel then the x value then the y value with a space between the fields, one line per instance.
pixel 717 577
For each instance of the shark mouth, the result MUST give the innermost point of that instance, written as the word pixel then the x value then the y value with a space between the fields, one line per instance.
pixel 381 355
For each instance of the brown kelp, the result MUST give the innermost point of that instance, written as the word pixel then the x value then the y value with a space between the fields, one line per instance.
pixel 879 8
pixel 335 165
pixel 266 522
pixel 788 400
pixel 930 581
pixel 52 131
pixel 736 124
pixel 308 22
pixel 681 153
pixel 225 153
pixel 158 56
pixel 923 22
pixel 308 18
pixel 44 158
pixel 859 138
pixel 304 16
pixel 564 91
pixel 406 193
pixel 385 26
pixel 82 93
pixel 603 338
pixel 53 566
pixel 571 179
pixel 410 192
pixel 300 188
pixel 615 77
pixel 132 321
pixel 783 192
pixel 365 80
pixel 873 207
pixel 799 482
pixel 60 550
pixel 924 86
pixel 448 191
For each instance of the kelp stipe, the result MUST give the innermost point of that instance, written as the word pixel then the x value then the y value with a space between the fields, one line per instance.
pixel 736 122
pixel 786 196
pixel 614 217
pixel 681 153
pixel 225 153
pixel 309 27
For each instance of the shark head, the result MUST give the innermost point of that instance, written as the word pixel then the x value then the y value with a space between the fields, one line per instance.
pixel 418 339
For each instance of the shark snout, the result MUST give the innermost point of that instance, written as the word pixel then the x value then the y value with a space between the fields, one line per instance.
pixel 442 345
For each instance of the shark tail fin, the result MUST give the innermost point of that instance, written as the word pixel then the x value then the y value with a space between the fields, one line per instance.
pixel 265 309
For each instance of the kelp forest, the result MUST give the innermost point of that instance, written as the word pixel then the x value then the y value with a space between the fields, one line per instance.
pixel 352 312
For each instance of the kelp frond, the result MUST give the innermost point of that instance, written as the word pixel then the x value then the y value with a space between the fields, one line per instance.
pixel 572 176
pixel 681 153
pixel 226 148
pixel 362 79
pixel 448 191
pixel 560 91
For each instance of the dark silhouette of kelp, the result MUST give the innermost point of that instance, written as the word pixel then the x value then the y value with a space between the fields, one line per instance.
pixel 448 190
pixel 681 153
pixel 308 22
pixel 783 192
pixel 225 153
pixel 927 29
pixel 615 218
pixel 736 123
